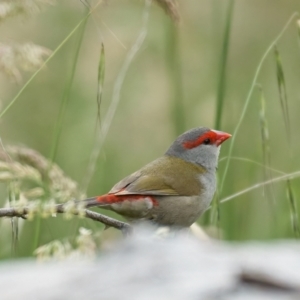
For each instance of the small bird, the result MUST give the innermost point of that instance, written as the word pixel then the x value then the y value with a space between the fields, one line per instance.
pixel 173 190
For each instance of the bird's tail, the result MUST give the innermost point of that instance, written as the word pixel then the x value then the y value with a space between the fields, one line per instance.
pixel 90 202
pixel 102 200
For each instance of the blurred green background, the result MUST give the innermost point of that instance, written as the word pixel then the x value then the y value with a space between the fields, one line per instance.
pixel 171 86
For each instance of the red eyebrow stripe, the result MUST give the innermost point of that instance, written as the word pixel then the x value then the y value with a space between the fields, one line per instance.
pixel 199 140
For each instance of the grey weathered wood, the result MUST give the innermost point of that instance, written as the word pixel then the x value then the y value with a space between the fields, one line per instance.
pixel 141 267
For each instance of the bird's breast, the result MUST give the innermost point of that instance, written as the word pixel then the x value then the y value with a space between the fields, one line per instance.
pixel 208 184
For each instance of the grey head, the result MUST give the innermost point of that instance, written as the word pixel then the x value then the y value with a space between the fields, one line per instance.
pixel 199 145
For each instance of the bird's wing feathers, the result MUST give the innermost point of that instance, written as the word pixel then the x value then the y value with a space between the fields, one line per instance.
pixel 148 185
pixel 124 183
pixel 164 176
pixel 143 185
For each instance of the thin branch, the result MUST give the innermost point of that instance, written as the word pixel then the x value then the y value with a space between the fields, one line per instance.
pixel 110 222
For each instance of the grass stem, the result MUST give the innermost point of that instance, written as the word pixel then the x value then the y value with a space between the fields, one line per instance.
pixel 253 84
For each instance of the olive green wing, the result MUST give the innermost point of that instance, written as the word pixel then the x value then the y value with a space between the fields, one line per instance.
pixel 164 176
pixel 147 181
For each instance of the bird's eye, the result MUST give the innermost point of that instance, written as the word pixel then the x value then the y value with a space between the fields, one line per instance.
pixel 206 141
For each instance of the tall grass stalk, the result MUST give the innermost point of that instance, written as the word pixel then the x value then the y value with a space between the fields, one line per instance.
pixel 66 95
pixel 116 91
pixel 62 111
pixel 268 191
pixel 222 67
pixel 244 159
pixel 13 195
pixel 215 212
pixel 298 31
pixel 13 101
pixel 284 177
pixel 266 150
pixel 101 76
pixel 94 153
pixel 282 93
pixel 248 98
pixel 174 67
pixel 264 134
pixel 293 209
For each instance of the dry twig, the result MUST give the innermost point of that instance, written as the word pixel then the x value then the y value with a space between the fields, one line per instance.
pixel 110 222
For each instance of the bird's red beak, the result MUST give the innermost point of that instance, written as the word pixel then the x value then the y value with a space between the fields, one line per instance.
pixel 221 137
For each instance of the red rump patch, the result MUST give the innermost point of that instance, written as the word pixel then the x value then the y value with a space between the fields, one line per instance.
pixel 200 139
pixel 112 198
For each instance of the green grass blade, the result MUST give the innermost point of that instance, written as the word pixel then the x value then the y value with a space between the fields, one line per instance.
pixel 248 98
pixel 293 210
pixel 66 95
pixel 268 191
pixel 223 64
pixel 264 130
pixel 94 154
pixel 61 115
pixel 282 92
pixel 284 177
pixel 171 8
pixel 174 67
pixel 13 101
pixel 244 159
pixel 298 31
pixel 215 212
pixel 116 95
pixel 101 76
pixel 264 135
